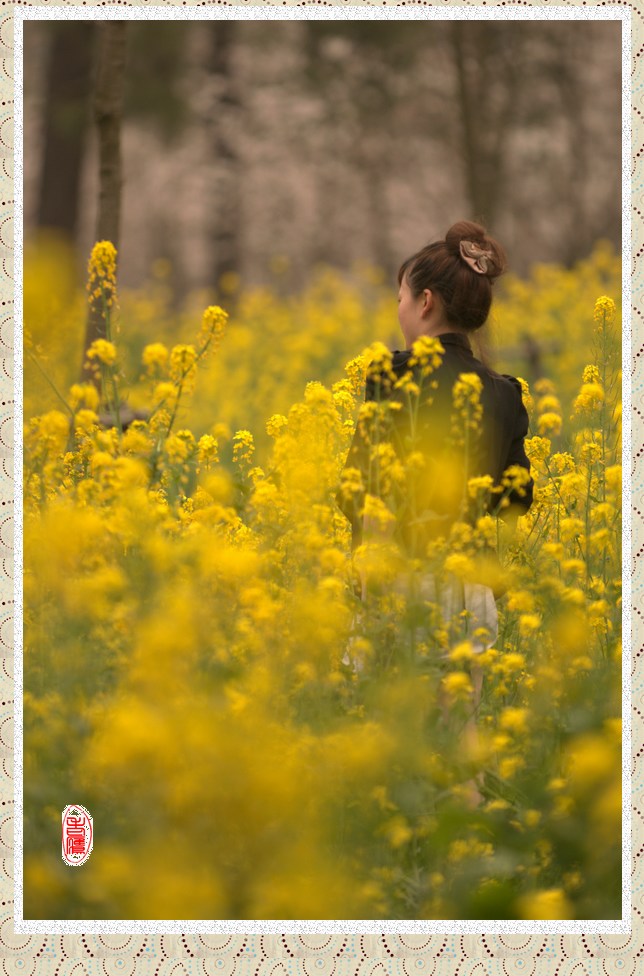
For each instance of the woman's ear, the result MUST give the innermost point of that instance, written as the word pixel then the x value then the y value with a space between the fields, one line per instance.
pixel 428 302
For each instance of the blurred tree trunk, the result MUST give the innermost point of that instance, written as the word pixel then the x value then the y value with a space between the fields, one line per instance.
pixel 66 118
pixel 108 109
pixel 578 238
pixel 376 176
pixel 487 67
pixel 225 232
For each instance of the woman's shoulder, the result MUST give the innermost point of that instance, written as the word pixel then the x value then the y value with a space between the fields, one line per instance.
pixel 505 380
pixel 514 382
pixel 400 361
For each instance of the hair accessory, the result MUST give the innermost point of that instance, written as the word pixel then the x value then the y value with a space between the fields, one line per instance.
pixel 476 256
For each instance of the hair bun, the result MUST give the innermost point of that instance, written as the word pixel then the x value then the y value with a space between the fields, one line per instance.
pixel 467 230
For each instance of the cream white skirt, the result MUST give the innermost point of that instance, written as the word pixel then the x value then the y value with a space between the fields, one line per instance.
pixel 468 611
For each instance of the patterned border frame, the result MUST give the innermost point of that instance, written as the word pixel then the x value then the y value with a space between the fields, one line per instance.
pixel 457 954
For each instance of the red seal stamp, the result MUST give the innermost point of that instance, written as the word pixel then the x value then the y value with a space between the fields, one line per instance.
pixel 78 835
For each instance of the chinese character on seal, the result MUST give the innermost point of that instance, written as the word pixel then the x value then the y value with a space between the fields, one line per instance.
pixel 78 835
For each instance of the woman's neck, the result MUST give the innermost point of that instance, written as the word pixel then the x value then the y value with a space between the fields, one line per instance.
pixel 436 331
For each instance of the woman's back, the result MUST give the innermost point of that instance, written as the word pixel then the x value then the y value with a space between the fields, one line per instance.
pixel 454 418
pixel 434 492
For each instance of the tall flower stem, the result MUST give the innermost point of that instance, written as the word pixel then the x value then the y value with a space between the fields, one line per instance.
pixel 110 369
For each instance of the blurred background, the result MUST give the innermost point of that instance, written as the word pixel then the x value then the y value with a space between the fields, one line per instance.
pixel 285 169
pixel 250 147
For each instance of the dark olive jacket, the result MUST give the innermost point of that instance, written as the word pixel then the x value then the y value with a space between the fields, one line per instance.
pixel 425 508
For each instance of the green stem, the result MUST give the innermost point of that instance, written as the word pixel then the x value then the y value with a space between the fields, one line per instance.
pixel 179 383
pixel 111 371
pixel 53 386
pixel 587 523
pixel 176 405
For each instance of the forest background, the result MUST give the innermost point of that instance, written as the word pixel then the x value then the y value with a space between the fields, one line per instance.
pixel 256 147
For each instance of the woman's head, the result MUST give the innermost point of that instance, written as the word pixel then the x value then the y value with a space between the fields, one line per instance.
pixel 459 270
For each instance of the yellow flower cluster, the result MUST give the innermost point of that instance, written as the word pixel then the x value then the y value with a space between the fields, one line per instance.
pixel 155 357
pixel 243 447
pixel 427 352
pixel 333 762
pixel 467 402
pixel 213 326
pixel 103 351
pixel 605 309
pixel 182 362
pixel 101 285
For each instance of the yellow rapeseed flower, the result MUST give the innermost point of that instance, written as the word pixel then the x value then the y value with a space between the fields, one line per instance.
pixel 427 352
pixel 135 441
pixel 85 420
pixel 213 325
pixel 526 396
pixel 84 393
pixel 549 423
pixel 356 370
pixel 466 397
pixel 544 386
pixel 102 274
pixel 276 425
pixel 548 403
pixel 164 391
pixel 591 452
pixel 207 449
pixel 460 565
pixel 529 623
pixel 243 447
pixel 103 350
pixel 457 685
pixel 516 477
pixel 537 448
pixel 512 661
pixel 182 362
pixel 462 652
pixel 479 485
pixel 379 369
pixel 407 385
pixel 514 720
pixel 590 397
pixel 590 374
pixel 375 508
pixel 180 446
pixel 604 309
pixel 398 831
pixel 155 357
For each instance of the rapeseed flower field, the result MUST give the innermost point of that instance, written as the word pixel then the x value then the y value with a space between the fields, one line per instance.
pixel 253 739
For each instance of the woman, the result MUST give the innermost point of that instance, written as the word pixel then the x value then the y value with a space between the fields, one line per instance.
pixel 445 294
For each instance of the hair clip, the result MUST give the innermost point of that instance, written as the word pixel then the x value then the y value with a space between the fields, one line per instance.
pixel 476 256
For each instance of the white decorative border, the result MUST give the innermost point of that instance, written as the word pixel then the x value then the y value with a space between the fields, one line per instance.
pixel 610 11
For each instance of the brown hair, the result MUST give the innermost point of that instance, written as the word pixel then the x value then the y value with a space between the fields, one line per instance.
pixel 466 294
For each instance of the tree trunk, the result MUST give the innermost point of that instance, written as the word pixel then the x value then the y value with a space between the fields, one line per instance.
pixel 488 86
pixel 108 108
pixel 577 235
pixel 226 230
pixel 66 117
pixel 473 188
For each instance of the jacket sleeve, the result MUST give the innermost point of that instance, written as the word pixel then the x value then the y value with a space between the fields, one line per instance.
pixel 359 456
pixel 516 454
pixel 351 504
